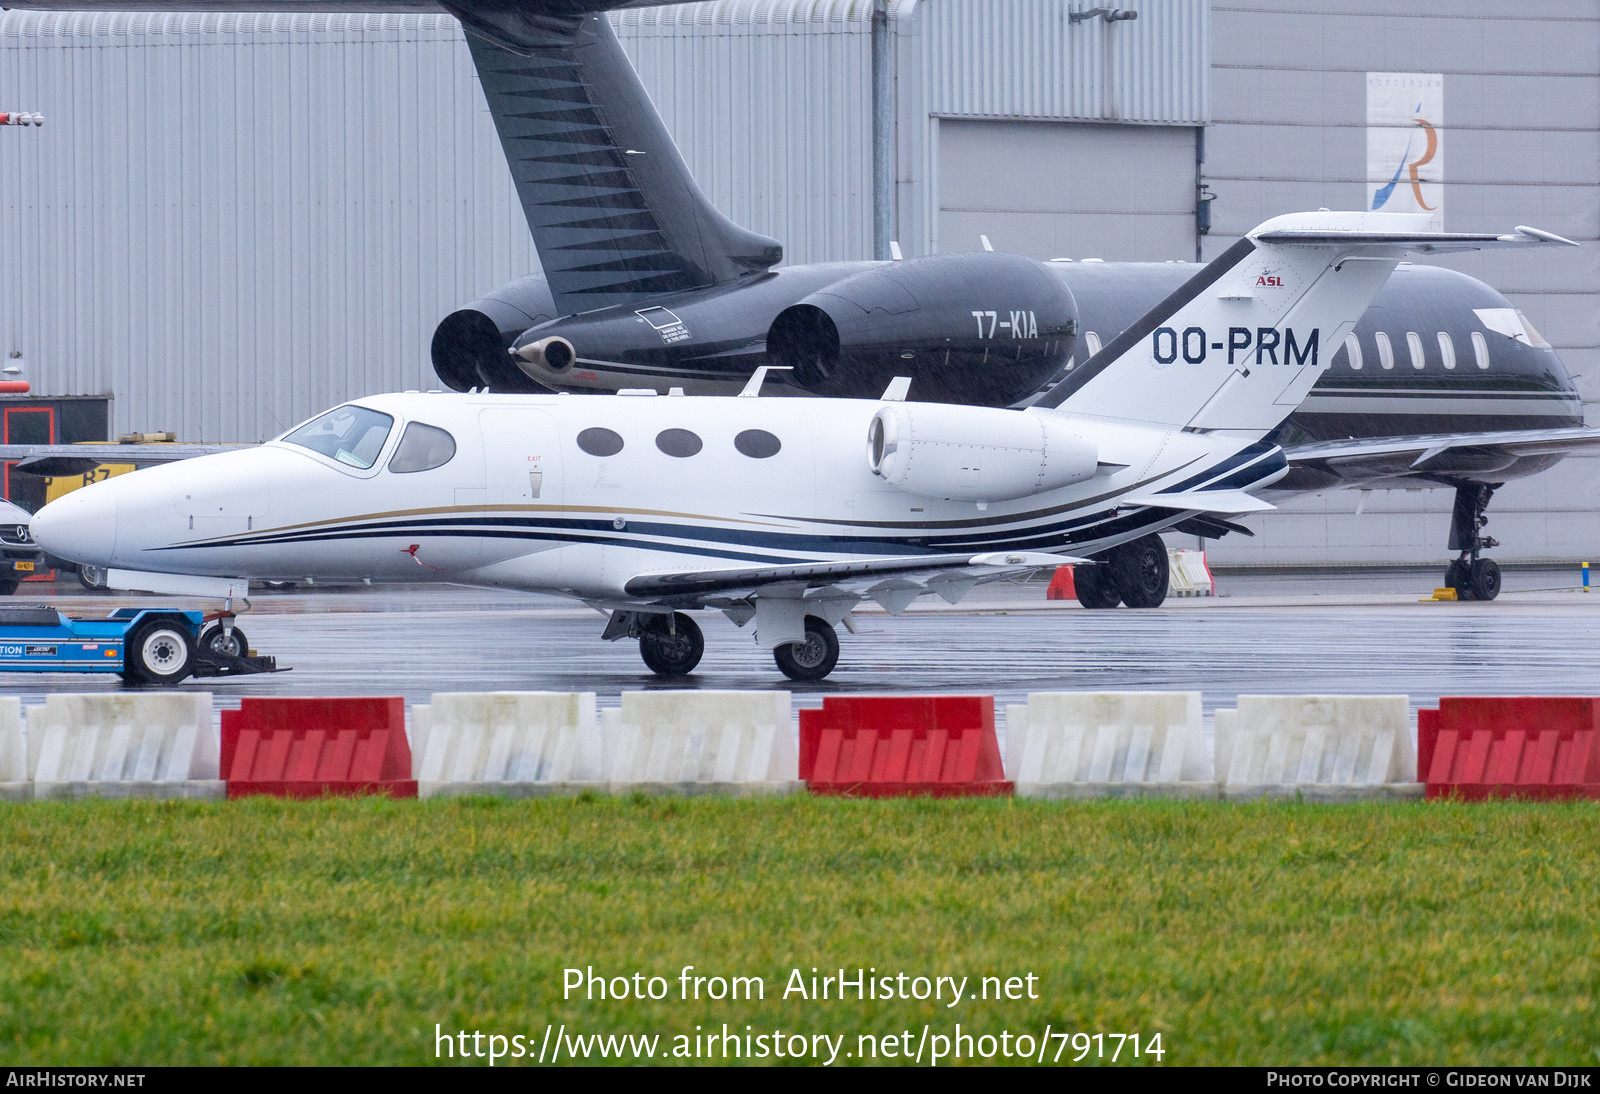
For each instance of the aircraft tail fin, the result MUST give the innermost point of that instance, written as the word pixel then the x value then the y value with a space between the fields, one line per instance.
pixel 1240 344
pixel 614 212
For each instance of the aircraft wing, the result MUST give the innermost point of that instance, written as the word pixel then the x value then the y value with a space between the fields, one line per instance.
pixel 50 460
pixel 1470 455
pixel 894 582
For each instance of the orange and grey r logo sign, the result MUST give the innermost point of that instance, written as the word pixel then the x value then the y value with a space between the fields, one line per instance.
pixel 1411 166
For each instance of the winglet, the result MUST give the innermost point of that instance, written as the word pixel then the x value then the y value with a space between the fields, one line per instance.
pixel 897 390
pixel 1544 237
pixel 759 377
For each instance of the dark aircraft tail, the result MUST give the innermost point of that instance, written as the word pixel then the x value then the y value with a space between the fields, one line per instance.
pixel 615 215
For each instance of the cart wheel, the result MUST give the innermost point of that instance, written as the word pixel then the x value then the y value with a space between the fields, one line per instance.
pixel 8 586
pixel 160 652
pixel 214 642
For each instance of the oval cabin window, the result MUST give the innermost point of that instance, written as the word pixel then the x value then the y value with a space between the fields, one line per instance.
pixel 1414 348
pixel 1480 350
pixel 758 444
pixel 600 442
pixel 679 443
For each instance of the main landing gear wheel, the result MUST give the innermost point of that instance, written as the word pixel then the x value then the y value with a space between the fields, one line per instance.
pixel 1485 579
pixel 1456 577
pixel 160 652
pixel 1095 588
pixel 1140 572
pixel 214 641
pixel 672 648
pixel 813 658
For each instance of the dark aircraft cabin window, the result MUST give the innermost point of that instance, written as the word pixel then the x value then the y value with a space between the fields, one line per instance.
pixel 422 448
pixel 758 444
pixel 600 442
pixel 679 443
pixel 351 434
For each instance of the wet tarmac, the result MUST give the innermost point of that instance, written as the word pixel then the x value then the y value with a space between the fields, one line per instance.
pixel 1363 632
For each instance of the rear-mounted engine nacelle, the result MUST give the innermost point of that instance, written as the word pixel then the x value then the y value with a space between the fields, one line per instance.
pixel 976 453
pixel 470 345
pixel 972 327
pixel 554 353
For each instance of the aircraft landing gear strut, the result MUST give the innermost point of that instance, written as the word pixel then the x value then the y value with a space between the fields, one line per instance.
pixel 1471 576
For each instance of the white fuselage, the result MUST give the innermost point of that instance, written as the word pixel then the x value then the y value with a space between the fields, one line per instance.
pixel 539 496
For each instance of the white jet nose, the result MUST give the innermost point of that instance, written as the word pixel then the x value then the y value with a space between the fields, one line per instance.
pixel 80 527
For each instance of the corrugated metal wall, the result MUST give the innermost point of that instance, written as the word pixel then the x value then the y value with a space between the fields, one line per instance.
pixel 230 222
pixel 1026 59
pixel 1522 139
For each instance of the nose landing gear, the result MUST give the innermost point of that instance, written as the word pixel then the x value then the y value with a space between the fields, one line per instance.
pixel 671 645
pixel 1472 577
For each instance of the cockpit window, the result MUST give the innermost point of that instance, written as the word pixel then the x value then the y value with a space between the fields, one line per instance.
pixel 350 434
pixel 422 448
pixel 1511 323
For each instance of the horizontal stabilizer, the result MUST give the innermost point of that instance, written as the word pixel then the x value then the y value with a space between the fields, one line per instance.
pixel 1204 501
pixel 1424 242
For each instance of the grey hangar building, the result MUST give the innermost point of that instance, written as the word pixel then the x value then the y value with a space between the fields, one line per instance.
pixel 231 222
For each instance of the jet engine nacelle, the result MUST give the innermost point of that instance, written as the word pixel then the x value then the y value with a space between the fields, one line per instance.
pixel 976 453
pixel 470 346
pixel 977 327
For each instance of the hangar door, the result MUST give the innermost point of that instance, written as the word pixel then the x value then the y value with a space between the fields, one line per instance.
pixel 1067 189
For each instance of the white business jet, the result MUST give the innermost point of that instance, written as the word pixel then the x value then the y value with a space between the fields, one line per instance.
pixel 788 512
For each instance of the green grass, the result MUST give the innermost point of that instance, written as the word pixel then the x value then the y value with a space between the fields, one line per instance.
pixel 342 931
